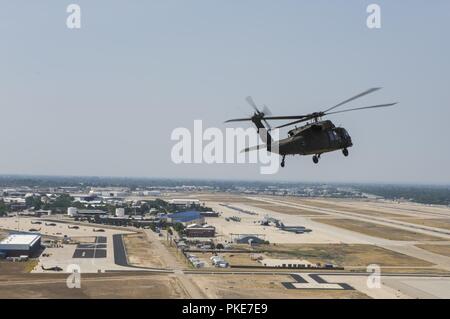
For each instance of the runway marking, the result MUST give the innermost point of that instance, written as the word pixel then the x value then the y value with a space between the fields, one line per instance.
pixel 314 281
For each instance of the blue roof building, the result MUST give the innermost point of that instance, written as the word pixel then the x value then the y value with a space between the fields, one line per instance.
pixel 188 217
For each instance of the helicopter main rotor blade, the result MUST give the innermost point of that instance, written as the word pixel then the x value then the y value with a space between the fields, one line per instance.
pixel 238 120
pixel 266 110
pixel 252 103
pixel 362 108
pixel 293 117
pixel 289 117
pixel 353 98
pixel 267 123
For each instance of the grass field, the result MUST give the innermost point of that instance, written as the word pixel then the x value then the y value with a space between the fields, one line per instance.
pixel 437 249
pixel 346 208
pixel 140 252
pixel 346 255
pixel 438 223
pixel 377 230
pixel 286 210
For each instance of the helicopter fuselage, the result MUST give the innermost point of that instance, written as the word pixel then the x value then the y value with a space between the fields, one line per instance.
pixel 314 138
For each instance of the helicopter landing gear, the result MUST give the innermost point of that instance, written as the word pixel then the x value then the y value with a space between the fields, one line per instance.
pixel 345 152
pixel 316 159
pixel 282 161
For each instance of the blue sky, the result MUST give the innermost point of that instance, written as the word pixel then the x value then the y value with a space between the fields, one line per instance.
pixel 104 99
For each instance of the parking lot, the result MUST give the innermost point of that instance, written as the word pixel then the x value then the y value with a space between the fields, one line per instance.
pixel 92 251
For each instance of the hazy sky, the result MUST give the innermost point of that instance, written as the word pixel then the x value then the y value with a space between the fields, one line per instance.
pixel 103 100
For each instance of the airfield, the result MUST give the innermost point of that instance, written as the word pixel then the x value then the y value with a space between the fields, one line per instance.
pixel 409 242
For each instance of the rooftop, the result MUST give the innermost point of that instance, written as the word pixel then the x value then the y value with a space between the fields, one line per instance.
pixel 20 239
pixel 200 226
pixel 185 216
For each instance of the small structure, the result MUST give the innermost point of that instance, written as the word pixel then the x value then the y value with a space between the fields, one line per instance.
pixel 219 262
pixel 120 212
pixel 250 239
pixel 71 211
pixel 209 214
pixel 285 263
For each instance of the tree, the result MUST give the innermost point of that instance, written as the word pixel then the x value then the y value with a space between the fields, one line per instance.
pixel 179 228
pixel 3 208
pixel 34 201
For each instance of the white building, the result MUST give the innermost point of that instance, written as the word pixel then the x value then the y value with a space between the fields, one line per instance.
pixel 120 212
pixel 285 263
pixel 184 201
pixel 20 244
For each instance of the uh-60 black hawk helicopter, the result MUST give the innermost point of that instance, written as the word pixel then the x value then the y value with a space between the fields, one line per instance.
pixel 315 138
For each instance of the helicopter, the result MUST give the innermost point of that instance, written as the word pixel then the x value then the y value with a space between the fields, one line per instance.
pixel 316 137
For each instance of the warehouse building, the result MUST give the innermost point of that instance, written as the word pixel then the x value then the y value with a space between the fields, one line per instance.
pixel 16 245
pixel 185 218
pixel 195 230
pixel 184 202
pixel 75 212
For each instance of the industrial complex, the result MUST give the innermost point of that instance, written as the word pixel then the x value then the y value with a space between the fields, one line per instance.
pixel 292 247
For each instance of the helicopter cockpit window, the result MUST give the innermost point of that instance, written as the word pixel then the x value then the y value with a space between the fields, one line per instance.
pixel 332 135
pixel 336 135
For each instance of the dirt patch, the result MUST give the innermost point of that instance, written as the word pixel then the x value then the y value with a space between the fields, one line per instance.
pixel 98 286
pixel 263 286
pixel 377 230
pixel 141 252
pixel 84 240
pixel 9 267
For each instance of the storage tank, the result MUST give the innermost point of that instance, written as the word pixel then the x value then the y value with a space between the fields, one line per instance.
pixel 120 212
pixel 71 211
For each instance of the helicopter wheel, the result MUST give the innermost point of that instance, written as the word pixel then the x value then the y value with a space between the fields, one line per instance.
pixel 282 162
pixel 315 159
pixel 345 152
